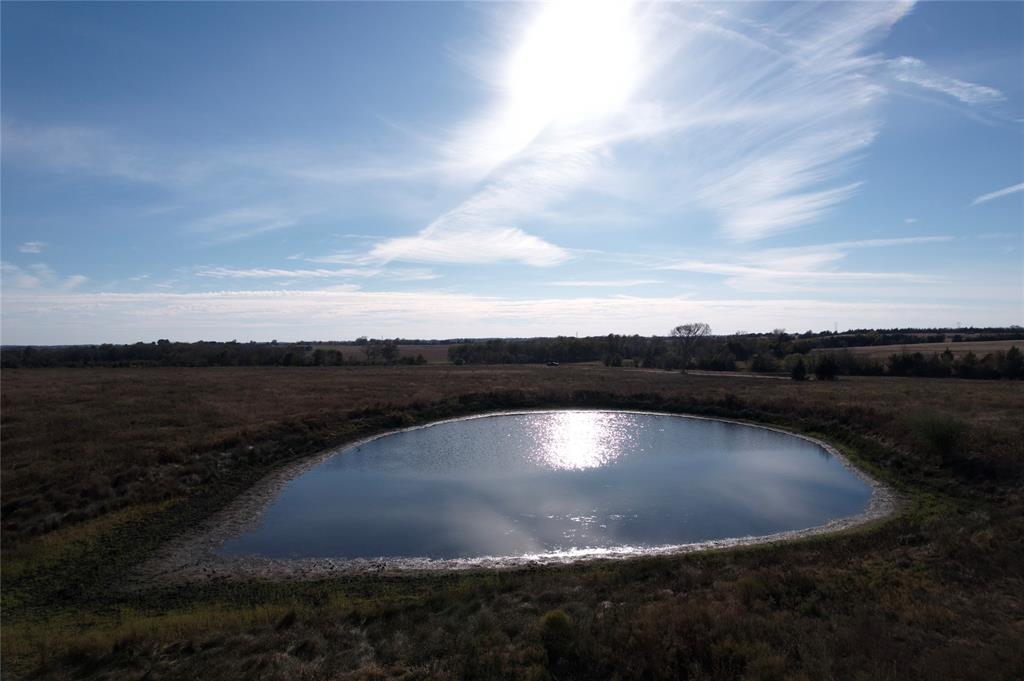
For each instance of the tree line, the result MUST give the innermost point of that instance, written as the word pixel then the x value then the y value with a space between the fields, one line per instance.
pixel 690 346
pixel 205 353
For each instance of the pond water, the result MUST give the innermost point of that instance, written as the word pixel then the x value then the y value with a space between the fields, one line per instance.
pixel 563 482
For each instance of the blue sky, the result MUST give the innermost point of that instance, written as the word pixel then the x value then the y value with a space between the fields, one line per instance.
pixel 330 170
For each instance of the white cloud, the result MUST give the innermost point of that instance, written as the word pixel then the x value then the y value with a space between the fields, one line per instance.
pixel 272 273
pixel 411 274
pixel 607 283
pixel 812 108
pixel 740 115
pixel 79 149
pixel 38 277
pixel 492 245
pixel 241 223
pixel 985 198
pixel 73 282
pixel 877 243
pixel 293 276
pixel 750 275
pixel 805 268
pixel 32 247
pixel 915 71
pixel 72 317
pixel 17 276
pixel 751 112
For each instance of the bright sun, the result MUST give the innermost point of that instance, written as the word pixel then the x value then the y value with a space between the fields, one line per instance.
pixel 577 61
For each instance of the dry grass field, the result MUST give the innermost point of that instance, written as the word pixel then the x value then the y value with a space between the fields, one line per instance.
pixel 81 442
pixel 100 466
pixel 434 353
pixel 979 348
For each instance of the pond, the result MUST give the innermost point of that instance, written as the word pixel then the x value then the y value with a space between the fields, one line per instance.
pixel 553 483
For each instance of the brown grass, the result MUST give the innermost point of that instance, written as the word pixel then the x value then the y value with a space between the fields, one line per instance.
pixel 931 594
pixel 78 443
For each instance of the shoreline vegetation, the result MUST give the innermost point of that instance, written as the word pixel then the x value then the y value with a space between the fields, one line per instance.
pixel 101 467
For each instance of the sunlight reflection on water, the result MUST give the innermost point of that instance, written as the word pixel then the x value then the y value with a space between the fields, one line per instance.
pixel 576 440
pixel 549 483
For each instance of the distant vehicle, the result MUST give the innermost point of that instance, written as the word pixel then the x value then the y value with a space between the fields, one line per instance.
pixel 552 364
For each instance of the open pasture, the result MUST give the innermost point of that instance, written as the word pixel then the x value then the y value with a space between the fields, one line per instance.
pixel 101 466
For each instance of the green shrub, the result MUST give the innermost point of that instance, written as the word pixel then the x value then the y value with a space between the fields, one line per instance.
pixel 557 633
pixel 940 435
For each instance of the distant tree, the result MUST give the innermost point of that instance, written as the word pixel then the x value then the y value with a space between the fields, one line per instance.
pixel 1012 365
pixel 688 337
pixel 372 351
pixel 763 362
pixel 826 368
pixel 799 370
pixel 389 351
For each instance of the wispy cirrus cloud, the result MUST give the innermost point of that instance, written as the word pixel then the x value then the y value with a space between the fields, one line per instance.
pixel 275 273
pixel 807 267
pixel 808 80
pixel 570 70
pixel 81 149
pixel 39 277
pixel 32 247
pixel 752 277
pixel 1006 191
pixel 482 228
pixel 396 274
pixel 916 72
pixel 240 223
pixel 767 111
pixel 753 113
pixel 605 283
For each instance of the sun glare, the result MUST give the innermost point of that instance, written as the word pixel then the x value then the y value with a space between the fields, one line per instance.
pixel 577 61
pixel 579 440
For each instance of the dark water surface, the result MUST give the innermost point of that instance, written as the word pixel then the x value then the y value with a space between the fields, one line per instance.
pixel 552 482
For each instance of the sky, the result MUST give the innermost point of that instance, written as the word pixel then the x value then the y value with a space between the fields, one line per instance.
pixel 260 171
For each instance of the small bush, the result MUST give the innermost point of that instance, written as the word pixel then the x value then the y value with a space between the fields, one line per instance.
pixel 940 435
pixel 557 633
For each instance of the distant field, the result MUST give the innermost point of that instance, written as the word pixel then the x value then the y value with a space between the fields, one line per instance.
pixel 979 348
pixel 434 354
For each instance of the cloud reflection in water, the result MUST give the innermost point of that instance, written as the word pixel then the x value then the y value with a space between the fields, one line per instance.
pixel 552 482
